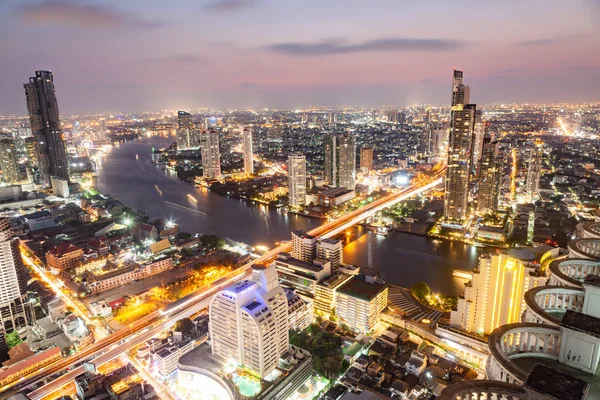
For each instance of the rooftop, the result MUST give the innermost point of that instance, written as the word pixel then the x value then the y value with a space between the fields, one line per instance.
pixel 63 249
pixel 302 234
pixel 38 214
pixel 359 287
pixel 557 384
pixel 581 322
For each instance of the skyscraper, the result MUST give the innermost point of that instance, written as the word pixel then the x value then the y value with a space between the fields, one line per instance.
pixel 211 156
pixel 340 160
pixel 532 183
pixel 45 126
pixel 8 161
pixel 249 322
pixel 490 174
pixel 478 134
pixel 188 137
pixel 366 159
pixel 460 143
pixel 297 179
pixel 13 284
pixel 248 154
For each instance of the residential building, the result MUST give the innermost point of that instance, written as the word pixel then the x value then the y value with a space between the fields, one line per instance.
pixel 211 156
pixel 331 250
pixel 326 291
pixel 494 297
pixel 340 160
pixel 478 135
pixel 300 275
pixel 532 182
pixel 462 125
pixel 490 175
pixel 45 126
pixel 248 153
pixel 304 246
pixel 297 179
pixel 249 322
pixel 188 137
pixel 360 302
pixel 13 284
pixel 60 187
pixel 299 310
pixel 165 360
pixel 8 161
pixel 64 256
pixel 366 159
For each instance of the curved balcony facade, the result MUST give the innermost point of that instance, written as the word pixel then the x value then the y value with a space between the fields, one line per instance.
pixel 547 304
pixel 513 341
pixel 572 271
pixel 588 230
pixel 584 248
pixel 484 390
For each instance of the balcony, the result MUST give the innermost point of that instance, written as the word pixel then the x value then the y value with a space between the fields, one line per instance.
pixel 584 248
pixel 588 230
pixel 547 304
pixel 572 271
pixel 514 341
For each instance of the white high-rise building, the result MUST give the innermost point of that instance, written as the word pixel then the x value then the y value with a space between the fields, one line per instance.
pixel 13 278
pixel 211 156
pixel 297 179
pixel 331 250
pixel 248 154
pixel 304 246
pixel 60 187
pixel 249 322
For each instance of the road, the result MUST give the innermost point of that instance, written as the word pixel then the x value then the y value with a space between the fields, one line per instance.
pixel 194 303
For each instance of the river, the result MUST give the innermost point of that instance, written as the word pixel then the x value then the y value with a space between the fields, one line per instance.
pixel 402 259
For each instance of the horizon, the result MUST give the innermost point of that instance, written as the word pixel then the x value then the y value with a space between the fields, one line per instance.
pixel 253 54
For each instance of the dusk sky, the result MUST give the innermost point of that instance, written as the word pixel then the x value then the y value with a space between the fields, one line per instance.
pixel 149 55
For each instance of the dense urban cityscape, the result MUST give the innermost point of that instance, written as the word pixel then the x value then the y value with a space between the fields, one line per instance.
pixel 443 251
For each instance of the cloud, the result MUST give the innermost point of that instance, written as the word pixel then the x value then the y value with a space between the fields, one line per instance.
pixel 387 45
pixel 543 42
pixel 583 68
pixel 191 59
pixel 69 12
pixel 229 5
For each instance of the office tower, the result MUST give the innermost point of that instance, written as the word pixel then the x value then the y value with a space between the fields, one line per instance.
pixel 460 143
pixel 340 160
pixel 13 284
pixel 248 154
pixel 188 137
pixel 211 156
pixel 304 246
pixel 45 126
pixel 366 159
pixel 478 134
pixel 494 296
pixel 297 179
pixel 8 161
pixel 249 322
pixel 490 175
pixel 331 250
pixel 532 183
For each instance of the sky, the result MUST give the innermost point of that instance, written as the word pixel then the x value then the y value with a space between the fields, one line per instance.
pixel 133 55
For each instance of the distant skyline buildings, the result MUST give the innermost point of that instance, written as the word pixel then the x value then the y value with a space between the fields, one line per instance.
pixel 44 117
pixel 8 161
pixel 247 151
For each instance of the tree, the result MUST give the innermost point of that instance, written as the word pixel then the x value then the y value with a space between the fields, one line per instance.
pixel 420 290
pixel 184 325
pixel 13 339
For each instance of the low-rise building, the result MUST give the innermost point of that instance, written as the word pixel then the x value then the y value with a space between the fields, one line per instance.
pixel 31 364
pixel 335 196
pixel 64 256
pixel 39 220
pixel 300 275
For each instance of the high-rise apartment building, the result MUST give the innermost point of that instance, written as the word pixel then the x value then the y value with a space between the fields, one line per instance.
pixel 297 179
pixel 13 282
pixel 366 159
pixel 211 155
pixel 360 302
pixel 188 137
pixel 494 296
pixel 45 126
pixel 304 246
pixel 8 161
pixel 331 250
pixel 532 182
pixel 460 143
pixel 490 175
pixel 340 160
pixel 248 154
pixel 478 134
pixel 249 322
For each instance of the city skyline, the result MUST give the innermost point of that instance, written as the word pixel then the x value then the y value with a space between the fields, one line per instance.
pixel 371 56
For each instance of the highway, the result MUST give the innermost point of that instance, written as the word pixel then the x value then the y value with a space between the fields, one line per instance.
pixel 127 338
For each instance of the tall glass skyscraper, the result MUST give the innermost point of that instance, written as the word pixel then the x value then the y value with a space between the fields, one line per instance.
pixel 45 126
